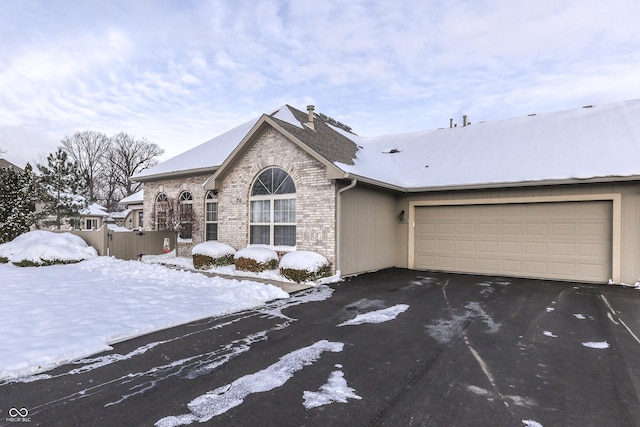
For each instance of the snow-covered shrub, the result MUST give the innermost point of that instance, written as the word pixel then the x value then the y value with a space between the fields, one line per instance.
pixel 256 259
pixel 4 260
pixel 41 248
pixel 304 266
pixel 212 254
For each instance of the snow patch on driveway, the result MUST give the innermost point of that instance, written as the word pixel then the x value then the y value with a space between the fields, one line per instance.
pixel 226 397
pixel 335 390
pixel 378 316
pixel 596 344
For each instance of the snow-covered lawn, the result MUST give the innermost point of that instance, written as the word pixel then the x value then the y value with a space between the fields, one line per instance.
pixel 51 315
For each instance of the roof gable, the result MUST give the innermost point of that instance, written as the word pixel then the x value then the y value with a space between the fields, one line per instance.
pixel 323 144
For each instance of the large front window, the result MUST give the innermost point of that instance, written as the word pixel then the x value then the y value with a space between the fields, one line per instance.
pixel 273 209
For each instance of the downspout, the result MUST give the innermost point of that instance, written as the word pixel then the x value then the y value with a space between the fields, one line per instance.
pixel 339 224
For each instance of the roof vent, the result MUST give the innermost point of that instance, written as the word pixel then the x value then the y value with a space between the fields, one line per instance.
pixel 309 122
pixel 391 150
pixel 334 122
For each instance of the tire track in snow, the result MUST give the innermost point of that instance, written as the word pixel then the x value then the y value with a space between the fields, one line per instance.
pixel 138 383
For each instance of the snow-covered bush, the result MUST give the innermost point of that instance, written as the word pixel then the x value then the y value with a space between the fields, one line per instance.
pixel 212 254
pixel 304 266
pixel 41 248
pixel 256 259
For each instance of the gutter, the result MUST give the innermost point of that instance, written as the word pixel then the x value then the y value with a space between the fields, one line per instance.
pixel 174 174
pixel 339 222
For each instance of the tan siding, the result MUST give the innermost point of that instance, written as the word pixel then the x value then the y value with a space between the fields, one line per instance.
pixel 368 230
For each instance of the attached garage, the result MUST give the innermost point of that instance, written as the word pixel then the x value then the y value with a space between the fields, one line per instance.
pixel 564 240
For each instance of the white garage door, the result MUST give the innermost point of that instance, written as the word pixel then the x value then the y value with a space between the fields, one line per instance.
pixel 564 240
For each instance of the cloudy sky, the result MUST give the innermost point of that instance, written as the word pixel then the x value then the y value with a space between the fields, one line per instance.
pixel 181 72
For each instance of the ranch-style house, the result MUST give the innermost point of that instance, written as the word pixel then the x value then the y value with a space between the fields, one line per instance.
pixel 549 196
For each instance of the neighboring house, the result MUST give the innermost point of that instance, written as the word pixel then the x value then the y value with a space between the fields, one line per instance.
pixel 119 218
pixel 134 210
pixel 6 164
pixel 93 217
pixel 550 196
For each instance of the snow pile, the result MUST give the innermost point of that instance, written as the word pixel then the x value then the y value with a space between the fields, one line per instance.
pixel 304 266
pixel 303 260
pixel 213 249
pixel 60 313
pixel 40 245
pixel 259 254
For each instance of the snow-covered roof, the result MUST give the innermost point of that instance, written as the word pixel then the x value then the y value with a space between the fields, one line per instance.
pixel 590 142
pixel 119 215
pixel 94 209
pixel 134 198
pixel 211 154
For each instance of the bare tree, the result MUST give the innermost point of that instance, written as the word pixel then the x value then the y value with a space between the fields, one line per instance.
pixel 88 149
pixel 130 156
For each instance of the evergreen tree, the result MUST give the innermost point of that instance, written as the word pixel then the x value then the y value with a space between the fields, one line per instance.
pixel 18 196
pixel 61 178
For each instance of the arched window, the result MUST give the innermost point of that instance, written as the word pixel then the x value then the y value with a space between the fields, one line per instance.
pixel 211 215
pixel 185 215
pixel 273 209
pixel 163 214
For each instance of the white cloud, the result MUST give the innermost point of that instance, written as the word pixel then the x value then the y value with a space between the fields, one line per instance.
pixel 186 71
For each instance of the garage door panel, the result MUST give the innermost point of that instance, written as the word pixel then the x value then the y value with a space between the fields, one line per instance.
pixel 512 266
pixel 466 262
pixel 563 268
pixel 511 248
pixel 562 240
pixel 536 248
pixel 490 228
pixel 563 229
pixel 466 228
pixel 590 229
pixel 536 228
pixel 446 262
pixel 487 265
pixel 466 246
pixel 511 228
pixel 563 249
pixel 488 246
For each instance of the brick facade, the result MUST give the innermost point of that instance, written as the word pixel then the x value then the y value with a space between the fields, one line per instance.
pixel 315 197
pixel 173 188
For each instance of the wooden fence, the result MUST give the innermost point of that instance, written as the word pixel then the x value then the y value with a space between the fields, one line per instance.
pixel 128 244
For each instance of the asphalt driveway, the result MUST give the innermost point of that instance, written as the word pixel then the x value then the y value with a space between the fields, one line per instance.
pixel 449 350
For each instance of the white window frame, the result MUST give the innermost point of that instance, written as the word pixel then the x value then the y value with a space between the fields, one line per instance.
pixel 271 223
pixel 211 198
